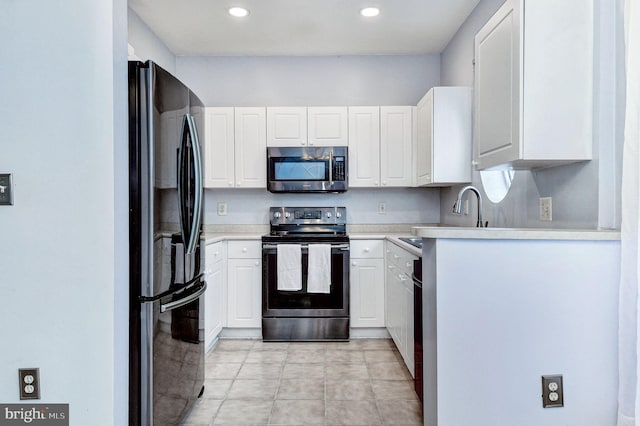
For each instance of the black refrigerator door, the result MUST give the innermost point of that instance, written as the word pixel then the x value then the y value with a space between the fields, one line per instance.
pixel 167 355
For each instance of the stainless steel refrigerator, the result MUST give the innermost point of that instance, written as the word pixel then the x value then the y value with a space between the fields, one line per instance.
pixel 166 365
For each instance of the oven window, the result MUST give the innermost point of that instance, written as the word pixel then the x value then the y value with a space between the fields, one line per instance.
pixel 296 169
pixel 301 299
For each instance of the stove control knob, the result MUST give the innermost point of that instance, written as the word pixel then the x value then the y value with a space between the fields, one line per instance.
pixel 277 215
pixel 328 215
pixel 287 214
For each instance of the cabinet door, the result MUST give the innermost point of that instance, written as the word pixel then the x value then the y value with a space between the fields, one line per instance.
pixel 364 146
pixel 250 148
pixel 218 148
pixel 327 126
pixel 287 126
pixel 244 293
pixel 367 293
pixel 396 146
pixel 424 140
pixel 497 88
pixel 407 328
pixel 214 299
pixel 393 304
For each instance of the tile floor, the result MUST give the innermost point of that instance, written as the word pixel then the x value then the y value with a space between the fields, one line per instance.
pixel 361 382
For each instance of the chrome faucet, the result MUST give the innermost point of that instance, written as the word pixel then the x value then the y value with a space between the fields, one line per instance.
pixel 457 207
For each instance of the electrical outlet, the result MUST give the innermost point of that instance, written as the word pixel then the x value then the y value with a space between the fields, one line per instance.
pixel 6 189
pixel 222 209
pixel 552 391
pixel 29 383
pixel 546 210
pixel 382 208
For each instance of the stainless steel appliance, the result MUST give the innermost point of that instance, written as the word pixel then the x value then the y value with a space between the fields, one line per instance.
pixel 166 363
pixel 303 315
pixel 307 169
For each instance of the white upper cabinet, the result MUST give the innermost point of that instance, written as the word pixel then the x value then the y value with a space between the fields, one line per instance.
pixel 327 126
pixel 250 148
pixel 218 148
pixel 396 146
pixel 302 126
pixel 381 146
pixel 287 126
pixel 533 94
pixel 234 148
pixel 443 137
pixel 364 146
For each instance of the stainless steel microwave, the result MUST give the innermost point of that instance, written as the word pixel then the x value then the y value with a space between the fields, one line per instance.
pixel 307 169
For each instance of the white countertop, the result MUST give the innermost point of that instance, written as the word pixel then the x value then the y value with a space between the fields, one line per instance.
pixel 458 232
pixel 214 237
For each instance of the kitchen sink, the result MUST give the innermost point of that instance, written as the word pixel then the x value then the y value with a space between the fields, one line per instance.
pixel 414 241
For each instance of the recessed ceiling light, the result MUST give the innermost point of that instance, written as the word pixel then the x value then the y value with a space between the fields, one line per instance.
pixel 238 12
pixel 370 11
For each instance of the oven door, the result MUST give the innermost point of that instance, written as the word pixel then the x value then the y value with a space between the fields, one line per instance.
pixel 276 303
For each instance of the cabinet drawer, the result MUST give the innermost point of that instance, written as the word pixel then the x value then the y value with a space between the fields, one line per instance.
pixel 214 253
pixel 399 258
pixel 366 249
pixel 245 249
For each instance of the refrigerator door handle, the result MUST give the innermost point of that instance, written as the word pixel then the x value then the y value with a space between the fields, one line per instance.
pixel 198 182
pixel 192 283
pixel 180 184
pixel 185 300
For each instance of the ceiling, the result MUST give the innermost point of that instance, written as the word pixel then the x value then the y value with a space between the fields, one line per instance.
pixel 303 27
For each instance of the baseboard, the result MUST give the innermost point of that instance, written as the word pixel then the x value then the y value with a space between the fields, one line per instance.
pixel 369 333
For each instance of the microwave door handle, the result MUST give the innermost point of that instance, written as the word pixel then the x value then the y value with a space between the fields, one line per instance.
pixel 331 167
pixel 198 190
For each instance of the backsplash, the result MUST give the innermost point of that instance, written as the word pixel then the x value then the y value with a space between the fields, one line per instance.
pixel 250 206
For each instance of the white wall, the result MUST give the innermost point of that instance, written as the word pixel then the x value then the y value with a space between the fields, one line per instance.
pixel 584 194
pixel 251 206
pixel 147 45
pixel 310 81
pixel 60 111
pixel 509 312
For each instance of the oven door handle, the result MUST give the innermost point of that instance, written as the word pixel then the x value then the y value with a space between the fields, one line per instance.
pixel 306 246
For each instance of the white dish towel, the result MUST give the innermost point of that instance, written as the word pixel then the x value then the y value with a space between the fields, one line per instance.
pixel 319 278
pixel 289 267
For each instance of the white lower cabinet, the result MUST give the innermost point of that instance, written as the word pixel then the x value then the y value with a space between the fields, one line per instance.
pixel 244 284
pixel 399 301
pixel 367 283
pixel 214 299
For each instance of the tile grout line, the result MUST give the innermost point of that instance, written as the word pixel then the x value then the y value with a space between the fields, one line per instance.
pixel 275 394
